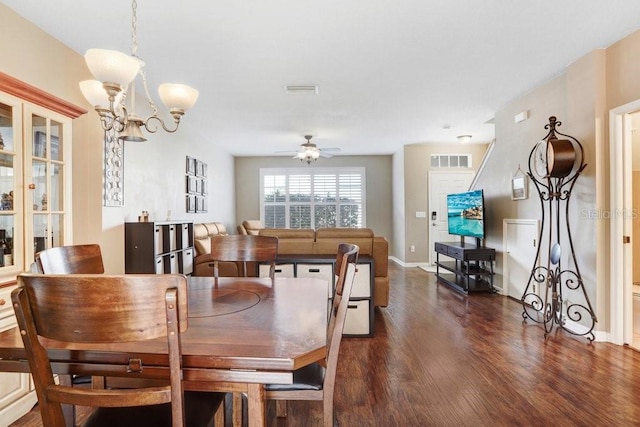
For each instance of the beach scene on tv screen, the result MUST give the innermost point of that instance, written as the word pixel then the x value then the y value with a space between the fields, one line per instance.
pixel 466 214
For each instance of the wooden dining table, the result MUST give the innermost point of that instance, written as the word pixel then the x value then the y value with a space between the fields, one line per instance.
pixel 242 333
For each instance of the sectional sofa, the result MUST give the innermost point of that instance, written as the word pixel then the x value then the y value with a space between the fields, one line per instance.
pixel 307 242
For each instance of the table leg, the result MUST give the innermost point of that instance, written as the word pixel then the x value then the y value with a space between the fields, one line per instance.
pixel 256 405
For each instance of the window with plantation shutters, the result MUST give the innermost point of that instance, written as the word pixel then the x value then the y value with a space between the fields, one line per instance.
pixel 317 198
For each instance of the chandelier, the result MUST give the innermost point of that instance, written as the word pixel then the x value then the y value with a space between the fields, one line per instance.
pixel 115 74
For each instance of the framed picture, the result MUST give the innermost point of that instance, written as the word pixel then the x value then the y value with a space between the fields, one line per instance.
pixel 191 204
pixel 201 204
pixel 192 184
pixel 519 187
pixel 191 166
pixel 200 168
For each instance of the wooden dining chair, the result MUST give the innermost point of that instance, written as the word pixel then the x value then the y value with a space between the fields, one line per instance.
pixel 74 259
pixel 244 249
pixel 113 310
pixel 317 380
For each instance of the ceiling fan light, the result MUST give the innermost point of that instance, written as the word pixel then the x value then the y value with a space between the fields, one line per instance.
pixel 463 139
pixel 177 96
pixel 111 66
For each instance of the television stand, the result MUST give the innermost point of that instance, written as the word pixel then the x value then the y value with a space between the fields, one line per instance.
pixel 471 268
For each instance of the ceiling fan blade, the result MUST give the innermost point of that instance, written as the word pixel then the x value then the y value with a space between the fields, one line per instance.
pixel 326 155
pixel 330 149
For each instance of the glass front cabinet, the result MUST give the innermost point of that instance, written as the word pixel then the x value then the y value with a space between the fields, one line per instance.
pixel 34 182
pixel 35 207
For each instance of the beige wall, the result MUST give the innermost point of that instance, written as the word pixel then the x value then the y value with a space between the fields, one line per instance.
pixel 417 159
pixel 378 185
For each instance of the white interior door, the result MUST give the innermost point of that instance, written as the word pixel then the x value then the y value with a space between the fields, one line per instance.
pixel 520 246
pixel 621 226
pixel 441 184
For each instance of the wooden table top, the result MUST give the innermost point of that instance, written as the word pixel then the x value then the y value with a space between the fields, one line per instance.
pixel 242 327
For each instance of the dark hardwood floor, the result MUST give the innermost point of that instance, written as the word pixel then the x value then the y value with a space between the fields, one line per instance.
pixel 439 358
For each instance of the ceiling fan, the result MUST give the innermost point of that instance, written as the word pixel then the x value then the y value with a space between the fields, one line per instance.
pixel 309 151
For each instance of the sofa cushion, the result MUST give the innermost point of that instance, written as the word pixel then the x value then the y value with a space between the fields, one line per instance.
pixel 328 239
pixel 221 230
pixel 292 241
pixel 201 239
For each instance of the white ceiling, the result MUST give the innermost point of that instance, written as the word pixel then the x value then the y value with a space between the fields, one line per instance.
pixel 389 73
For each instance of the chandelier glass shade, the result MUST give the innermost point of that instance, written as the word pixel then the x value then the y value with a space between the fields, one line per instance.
pixel 113 92
pixel 308 155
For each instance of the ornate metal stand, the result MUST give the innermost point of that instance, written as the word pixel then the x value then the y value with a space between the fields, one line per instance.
pixel 545 299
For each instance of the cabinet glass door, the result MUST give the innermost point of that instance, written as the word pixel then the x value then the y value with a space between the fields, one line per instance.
pixel 47 181
pixel 7 184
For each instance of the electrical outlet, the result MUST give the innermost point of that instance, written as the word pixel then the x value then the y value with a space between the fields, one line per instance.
pixel 412 248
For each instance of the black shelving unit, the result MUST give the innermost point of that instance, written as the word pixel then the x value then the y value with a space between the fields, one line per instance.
pixel 468 267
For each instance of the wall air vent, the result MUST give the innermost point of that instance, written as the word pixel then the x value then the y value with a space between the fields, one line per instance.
pixel 451 160
pixel 301 89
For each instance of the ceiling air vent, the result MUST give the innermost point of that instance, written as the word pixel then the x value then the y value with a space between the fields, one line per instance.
pixel 301 89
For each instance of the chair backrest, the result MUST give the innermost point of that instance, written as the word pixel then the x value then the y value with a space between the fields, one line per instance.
pixel 244 248
pixel 89 308
pixel 346 267
pixel 347 253
pixel 75 259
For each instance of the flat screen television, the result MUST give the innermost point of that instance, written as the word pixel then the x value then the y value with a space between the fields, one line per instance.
pixel 465 214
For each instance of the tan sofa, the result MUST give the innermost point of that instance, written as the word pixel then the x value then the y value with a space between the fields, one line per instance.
pixel 324 241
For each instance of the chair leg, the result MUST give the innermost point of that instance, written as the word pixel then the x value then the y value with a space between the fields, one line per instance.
pixel 237 410
pixel 327 409
pixel 69 411
pixel 281 409
pixel 218 418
